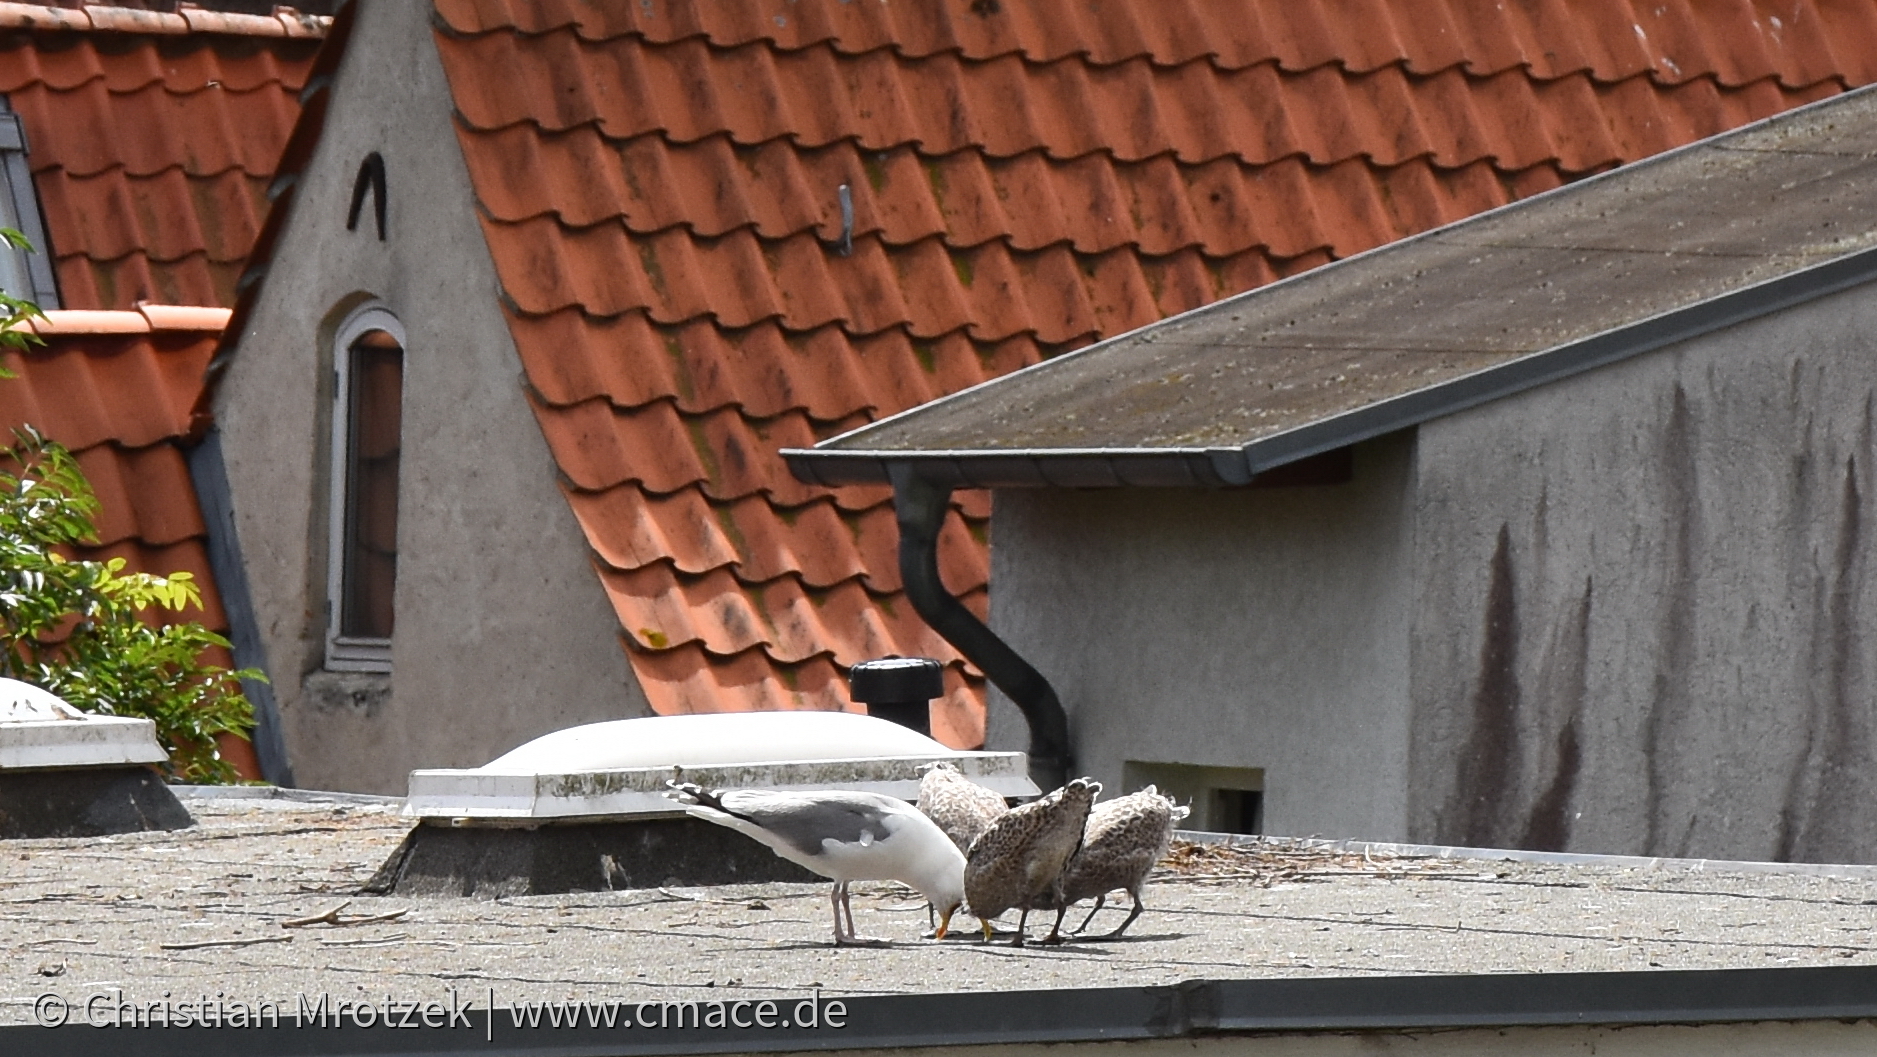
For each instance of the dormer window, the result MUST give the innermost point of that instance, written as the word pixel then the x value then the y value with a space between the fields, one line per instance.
pixel 368 393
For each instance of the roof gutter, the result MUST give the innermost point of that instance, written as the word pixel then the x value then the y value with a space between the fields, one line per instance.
pixel 920 505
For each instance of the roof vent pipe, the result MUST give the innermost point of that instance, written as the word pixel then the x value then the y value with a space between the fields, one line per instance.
pixel 920 506
pixel 898 689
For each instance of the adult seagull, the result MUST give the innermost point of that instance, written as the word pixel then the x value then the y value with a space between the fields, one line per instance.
pixel 843 836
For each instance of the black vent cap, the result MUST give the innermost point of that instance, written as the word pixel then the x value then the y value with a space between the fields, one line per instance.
pixel 896 680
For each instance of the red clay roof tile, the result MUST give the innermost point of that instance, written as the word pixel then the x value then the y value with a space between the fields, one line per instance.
pixel 686 679
pixel 117 388
pixel 821 543
pixel 658 186
pixel 114 219
pixel 152 138
pixel 1734 41
pixel 137 497
pixel 152 153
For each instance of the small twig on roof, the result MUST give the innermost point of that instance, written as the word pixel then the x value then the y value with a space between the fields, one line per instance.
pixel 331 917
pixel 223 943
pixel 372 941
pixel 373 919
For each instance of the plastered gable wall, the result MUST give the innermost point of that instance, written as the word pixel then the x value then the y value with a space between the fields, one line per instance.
pixel 1644 615
pixel 503 632
pixel 1232 628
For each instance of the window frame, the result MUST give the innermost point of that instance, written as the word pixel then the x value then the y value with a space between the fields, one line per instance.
pixel 347 653
pixel 19 209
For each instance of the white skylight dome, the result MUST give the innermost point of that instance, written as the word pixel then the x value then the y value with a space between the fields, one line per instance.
pixel 715 740
pixel 619 768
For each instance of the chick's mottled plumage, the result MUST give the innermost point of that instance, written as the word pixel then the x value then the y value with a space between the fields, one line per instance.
pixel 961 807
pixel 1122 841
pixel 1023 854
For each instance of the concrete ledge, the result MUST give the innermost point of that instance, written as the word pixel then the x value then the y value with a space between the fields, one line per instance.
pixel 87 802
pixel 275 792
pixel 492 792
pixel 490 862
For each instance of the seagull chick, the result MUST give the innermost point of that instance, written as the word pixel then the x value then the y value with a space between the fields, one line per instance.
pixel 843 836
pixel 1123 840
pixel 960 806
pixel 1022 856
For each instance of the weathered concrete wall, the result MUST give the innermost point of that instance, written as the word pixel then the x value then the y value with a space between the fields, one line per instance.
pixel 1644 620
pixel 503 632
pixel 1231 628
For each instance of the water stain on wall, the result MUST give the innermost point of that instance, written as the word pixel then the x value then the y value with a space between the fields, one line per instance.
pixel 1672 707
pixel 1484 775
pixel 1565 688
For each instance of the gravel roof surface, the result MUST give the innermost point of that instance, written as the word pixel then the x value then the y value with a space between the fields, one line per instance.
pixel 200 911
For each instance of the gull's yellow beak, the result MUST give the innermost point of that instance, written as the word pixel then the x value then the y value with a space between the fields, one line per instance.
pixel 945 922
pixel 988 933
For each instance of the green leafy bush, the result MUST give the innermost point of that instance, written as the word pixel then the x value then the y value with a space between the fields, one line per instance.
pixel 73 626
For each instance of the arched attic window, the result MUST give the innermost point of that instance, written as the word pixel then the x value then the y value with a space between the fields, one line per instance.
pixel 367 414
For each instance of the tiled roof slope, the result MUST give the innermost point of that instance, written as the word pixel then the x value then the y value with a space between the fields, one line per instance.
pixel 117 388
pixel 658 185
pixel 152 139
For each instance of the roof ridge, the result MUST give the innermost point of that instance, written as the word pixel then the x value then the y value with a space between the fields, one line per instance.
pixel 188 18
pixel 144 319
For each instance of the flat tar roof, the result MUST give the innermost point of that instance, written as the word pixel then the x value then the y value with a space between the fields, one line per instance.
pixel 197 912
pixel 1688 241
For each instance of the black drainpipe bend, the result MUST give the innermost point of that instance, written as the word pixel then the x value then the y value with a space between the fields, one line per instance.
pixel 920 506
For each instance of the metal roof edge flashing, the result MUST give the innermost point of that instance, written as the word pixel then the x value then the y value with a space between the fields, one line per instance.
pixel 1028 467
pixel 1685 998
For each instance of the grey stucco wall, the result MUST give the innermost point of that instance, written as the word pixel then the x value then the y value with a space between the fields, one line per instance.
pixel 1246 628
pixel 1644 613
pixel 503 632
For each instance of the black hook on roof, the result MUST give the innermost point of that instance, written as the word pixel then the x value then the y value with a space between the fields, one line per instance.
pixel 371 174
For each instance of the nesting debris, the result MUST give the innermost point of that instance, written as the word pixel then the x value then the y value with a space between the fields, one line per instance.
pixel 1023 854
pixel 1266 861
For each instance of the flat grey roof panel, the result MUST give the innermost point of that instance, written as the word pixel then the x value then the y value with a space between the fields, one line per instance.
pixel 1673 237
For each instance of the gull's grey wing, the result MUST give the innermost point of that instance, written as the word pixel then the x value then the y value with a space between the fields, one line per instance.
pixel 804 820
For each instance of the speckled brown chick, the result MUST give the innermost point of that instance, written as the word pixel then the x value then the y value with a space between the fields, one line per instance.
pixel 1023 854
pixel 1123 840
pixel 960 806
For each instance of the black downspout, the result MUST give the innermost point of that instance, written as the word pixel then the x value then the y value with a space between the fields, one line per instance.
pixel 921 505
